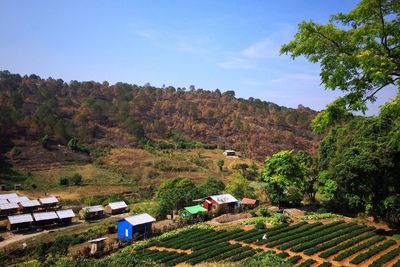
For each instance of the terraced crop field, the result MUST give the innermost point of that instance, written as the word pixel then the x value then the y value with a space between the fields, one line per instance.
pixel 303 244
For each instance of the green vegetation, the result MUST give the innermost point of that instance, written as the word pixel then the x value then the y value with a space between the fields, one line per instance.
pixel 318 216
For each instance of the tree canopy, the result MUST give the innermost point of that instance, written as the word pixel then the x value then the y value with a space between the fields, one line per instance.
pixel 359 54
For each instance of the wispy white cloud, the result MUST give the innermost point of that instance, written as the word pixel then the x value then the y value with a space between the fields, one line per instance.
pixel 194 44
pixel 266 48
pixel 237 63
pixel 300 79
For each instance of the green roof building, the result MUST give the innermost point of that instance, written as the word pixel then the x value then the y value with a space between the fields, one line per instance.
pixel 195 209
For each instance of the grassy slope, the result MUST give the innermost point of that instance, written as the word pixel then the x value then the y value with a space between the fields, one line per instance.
pixel 130 170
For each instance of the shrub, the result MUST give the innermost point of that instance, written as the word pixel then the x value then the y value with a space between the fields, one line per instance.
pixel 76 179
pixel 64 181
pixel 264 212
pixel 260 225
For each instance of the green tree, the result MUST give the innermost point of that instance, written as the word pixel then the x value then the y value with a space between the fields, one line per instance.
pixel 361 166
pixel 239 187
pixel 283 176
pixel 220 164
pixel 309 170
pixel 359 54
pixel 211 186
pixel 175 194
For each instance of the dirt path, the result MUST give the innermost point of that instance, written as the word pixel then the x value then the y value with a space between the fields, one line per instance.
pixel 11 238
pixel 187 251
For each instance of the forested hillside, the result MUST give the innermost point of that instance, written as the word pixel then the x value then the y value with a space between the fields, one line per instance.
pixel 98 114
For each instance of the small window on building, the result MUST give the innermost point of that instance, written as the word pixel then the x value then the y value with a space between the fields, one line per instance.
pixel 126 233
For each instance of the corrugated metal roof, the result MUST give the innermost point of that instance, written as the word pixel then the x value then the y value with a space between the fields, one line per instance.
pixel 8 206
pixel 48 200
pixel 22 218
pixel 6 196
pixel 118 205
pixel 248 201
pixel 140 219
pixel 63 214
pixel 93 208
pixel 97 240
pixel 3 201
pixel 30 203
pixel 18 199
pixel 224 198
pixel 43 216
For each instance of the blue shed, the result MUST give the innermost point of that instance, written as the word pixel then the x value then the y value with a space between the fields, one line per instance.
pixel 137 224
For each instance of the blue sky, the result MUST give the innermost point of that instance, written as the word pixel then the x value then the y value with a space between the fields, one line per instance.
pixel 230 45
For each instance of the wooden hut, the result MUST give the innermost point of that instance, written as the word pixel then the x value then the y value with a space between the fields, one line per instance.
pixel 49 203
pixel 65 216
pixel 248 203
pixel 229 153
pixel 45 218
pixel 91 212
pixel 8 208
pixel 116 207
pixel 19 222
pixel 29 206
pixel 137 225
pixel 97 245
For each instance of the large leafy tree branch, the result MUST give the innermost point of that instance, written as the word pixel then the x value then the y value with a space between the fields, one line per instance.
pixel 359 54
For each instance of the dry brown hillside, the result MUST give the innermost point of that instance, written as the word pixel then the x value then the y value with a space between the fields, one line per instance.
pixel 120 115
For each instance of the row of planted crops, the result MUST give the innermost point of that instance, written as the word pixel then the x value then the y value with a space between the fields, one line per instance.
pixel 334 241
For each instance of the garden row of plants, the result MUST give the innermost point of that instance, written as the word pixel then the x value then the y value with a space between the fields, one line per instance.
pixel 337 241
pixel 325 264
pixel 354 250
pixel 294 259
pixel 386 258
pixel 276 231
pixel 183 238
pixel 324 238
pixel 312 234
pixel 346 245
pixel 300 233
pixel 200 256
pixel 252 237
pixel 229 254
pixel 159 256
pixel 307 263
pixel 373 251
pixel 243 255
pixel 301 228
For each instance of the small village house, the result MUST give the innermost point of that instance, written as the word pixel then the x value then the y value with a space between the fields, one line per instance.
pixel 49 203
pixel 137 225
pixel 65 216
pixel 116 207
pixel 97 245
pixel 18 199
pixel 7 196
pixel 91 212
pixel 29 206
pixel 229 153
pixel 8 208
pixel 248 203
pixel 19 222
pixel 220 203
pixel 45 218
